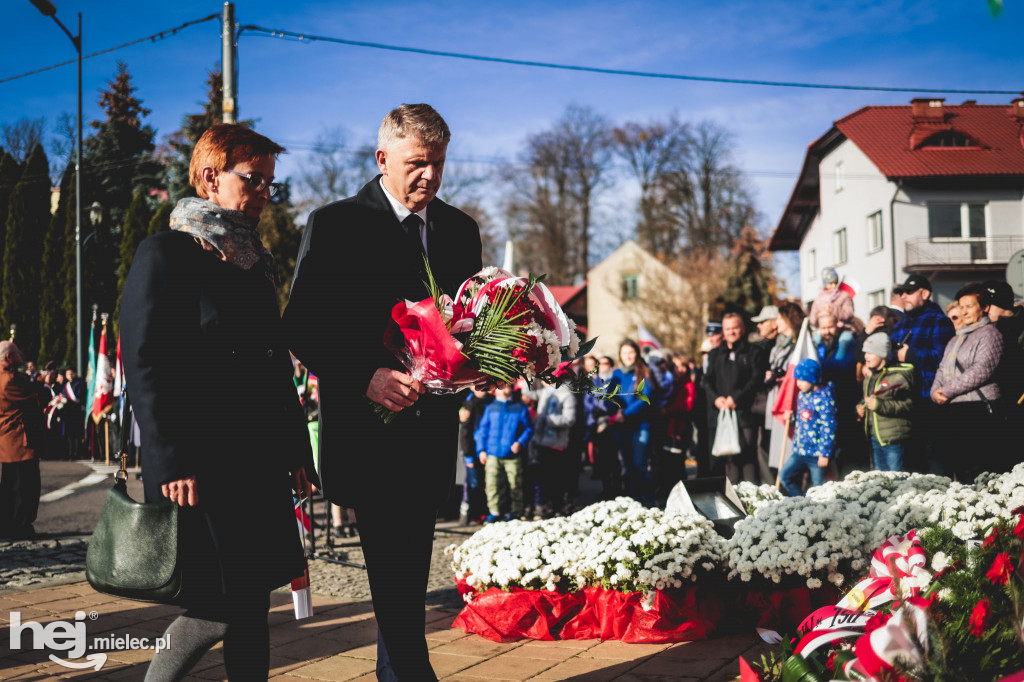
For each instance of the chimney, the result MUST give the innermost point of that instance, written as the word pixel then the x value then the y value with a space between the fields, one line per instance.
pixel 1018 108
pixel 928 108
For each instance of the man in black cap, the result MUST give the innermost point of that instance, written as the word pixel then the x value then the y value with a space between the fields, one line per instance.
pixel 1009 320
pixel 920 338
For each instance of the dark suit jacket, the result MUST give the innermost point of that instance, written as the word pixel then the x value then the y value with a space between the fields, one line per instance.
pixel 354 265
pixel 209 378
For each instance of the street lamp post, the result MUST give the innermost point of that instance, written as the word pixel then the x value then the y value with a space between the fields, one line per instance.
pixel 50 10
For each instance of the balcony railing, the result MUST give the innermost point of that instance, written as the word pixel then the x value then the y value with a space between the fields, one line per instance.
pixel 925 251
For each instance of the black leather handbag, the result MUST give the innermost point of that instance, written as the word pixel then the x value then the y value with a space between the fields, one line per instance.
pixel 134 551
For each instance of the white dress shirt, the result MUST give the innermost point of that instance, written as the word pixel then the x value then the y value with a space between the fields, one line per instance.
pixel 401 212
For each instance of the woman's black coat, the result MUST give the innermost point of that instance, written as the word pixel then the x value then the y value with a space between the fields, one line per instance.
pixel 209 378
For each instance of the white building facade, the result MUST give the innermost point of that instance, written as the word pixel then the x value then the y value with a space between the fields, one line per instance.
pixel 928 189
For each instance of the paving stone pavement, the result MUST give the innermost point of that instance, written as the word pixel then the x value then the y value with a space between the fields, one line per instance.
pixel 44 581
pixel 339 643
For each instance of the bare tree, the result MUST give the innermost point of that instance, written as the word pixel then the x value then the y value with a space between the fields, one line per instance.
pixel 22 136
pixel 713 203
pixel 334 170
pixel 62 145
pixel 551 211
pixel 655 152
pixel 464 186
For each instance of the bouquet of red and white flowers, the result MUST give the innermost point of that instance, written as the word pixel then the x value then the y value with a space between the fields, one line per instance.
pixel 497 327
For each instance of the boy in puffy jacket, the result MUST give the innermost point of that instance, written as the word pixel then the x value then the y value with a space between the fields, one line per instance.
pixel 888 402
pixel 504 430
pixel 815 437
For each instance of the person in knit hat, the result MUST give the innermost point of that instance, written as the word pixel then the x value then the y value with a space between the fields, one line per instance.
pixel 887 404
pixel 815 429
pixel 832 299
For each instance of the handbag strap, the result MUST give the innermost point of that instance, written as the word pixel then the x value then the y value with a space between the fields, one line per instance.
pixel 126 413
pixel 981 395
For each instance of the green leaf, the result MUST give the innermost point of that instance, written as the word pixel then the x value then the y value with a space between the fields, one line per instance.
pixel 586 347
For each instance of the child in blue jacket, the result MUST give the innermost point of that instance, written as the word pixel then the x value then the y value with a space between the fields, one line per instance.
pixel 505 429
pixel 815 426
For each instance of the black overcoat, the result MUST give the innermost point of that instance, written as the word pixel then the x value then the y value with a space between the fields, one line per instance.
pixel 209 376
pixel 355 264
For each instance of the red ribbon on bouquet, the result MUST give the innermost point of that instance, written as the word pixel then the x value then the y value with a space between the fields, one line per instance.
pixel 417 334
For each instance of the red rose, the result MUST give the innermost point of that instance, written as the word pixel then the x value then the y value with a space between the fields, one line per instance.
pixel 876 621
pixel 1002 569
pixel 978 617
pixel 1019 530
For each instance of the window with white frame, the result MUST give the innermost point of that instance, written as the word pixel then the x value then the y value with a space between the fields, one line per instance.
pixel 839 246
pixel 874 232
pixel 811 264
pixel 876 298
pixel 840 176
pixel 962 222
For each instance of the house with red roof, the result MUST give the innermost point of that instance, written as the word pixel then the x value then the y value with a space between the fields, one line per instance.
pixel 930 188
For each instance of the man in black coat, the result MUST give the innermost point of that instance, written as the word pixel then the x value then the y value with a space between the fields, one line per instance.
pixel 734 374
pixel 359 257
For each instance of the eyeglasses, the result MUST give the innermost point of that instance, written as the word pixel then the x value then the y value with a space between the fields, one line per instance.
pixel 257 182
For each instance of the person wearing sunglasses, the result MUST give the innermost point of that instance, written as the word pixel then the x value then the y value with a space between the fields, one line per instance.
pixel 200 301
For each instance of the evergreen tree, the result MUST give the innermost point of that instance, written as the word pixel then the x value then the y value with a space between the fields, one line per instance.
pixel 751 284
pixel 10 171
pixel 28 218
pixel 53 320
pixel 161 219
pixel 134 230
pixel 118 158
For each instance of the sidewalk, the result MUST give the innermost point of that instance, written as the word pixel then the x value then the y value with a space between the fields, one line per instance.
pixel 339 643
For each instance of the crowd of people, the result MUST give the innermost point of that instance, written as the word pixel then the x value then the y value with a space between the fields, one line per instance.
pixel 910 389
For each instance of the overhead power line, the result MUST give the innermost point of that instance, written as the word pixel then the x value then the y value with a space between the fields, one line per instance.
pixel 291 35
pixel 154 37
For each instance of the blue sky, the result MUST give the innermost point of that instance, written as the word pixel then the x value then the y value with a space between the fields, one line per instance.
pixel 298 89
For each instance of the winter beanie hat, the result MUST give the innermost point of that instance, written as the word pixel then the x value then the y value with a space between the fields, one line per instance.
pixel 877 344
pixel 829 276
pixel 808 370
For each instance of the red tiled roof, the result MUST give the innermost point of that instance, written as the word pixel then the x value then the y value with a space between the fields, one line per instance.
pixel 890 136
pixel 565 294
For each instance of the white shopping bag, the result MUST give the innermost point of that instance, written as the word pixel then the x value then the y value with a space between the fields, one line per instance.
pixel 727 435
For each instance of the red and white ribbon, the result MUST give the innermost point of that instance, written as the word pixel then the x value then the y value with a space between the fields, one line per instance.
pixel 907 552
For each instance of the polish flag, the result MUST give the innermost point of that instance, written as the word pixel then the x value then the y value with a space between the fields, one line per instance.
pixel 786 400
pixel 646 339
pixel 850 286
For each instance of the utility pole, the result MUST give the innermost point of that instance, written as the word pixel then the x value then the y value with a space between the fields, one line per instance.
pixel 228 61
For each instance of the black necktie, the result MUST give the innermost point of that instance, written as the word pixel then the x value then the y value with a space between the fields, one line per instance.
pixel 412 225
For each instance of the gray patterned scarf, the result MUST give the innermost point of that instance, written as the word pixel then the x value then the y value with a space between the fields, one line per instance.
pixel 230 234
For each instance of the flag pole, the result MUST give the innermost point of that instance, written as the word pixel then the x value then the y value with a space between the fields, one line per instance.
pixel 782 458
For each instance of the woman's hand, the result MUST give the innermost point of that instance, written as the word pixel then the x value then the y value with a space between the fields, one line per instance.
pixel 303 488
pixel 939 397
pixel 183 491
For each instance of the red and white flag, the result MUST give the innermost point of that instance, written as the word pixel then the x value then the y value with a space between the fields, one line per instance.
pixel 646 339
pixel 850 286
pixel 118 370
pixel 103 394
pixel 786 399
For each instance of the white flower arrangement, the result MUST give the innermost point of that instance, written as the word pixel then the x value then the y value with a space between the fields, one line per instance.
pixel 619 545
pixel 828 536
pixel 755 497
